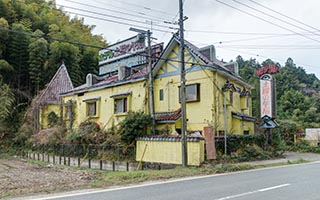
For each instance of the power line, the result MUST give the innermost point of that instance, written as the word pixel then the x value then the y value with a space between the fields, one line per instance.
pixel 265 57
pixel 112 16
pixel 285 15
pixel 146 8
pixel 115 11
pixel 272 46
pixel 125 9
pixel 262 19
pixel 277 18
pixel 47 37
pixel 114 21
pixel 245 33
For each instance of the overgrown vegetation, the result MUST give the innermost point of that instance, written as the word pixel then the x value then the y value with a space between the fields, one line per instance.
pixel 242 148
pixel 92 141
pixel 34 37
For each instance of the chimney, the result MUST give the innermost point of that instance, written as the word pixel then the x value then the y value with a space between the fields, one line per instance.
pixel 233 67
pixel 91 79
pixel 209 52
pixel 123 72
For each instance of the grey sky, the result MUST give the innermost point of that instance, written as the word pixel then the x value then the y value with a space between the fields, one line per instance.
pixel 211 22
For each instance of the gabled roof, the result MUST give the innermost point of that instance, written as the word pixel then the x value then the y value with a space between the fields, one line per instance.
pixel 215 64
pixel 60 83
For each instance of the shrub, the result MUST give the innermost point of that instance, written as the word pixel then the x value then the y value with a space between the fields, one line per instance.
pixel 134 125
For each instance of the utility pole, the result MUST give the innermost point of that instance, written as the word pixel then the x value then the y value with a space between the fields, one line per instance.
pixel 151 99
pixel 182 89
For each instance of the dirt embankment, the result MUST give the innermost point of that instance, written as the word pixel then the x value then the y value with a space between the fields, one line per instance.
pixel 18 177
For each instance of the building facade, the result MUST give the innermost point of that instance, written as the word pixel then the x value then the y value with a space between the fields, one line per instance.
pixel 216 94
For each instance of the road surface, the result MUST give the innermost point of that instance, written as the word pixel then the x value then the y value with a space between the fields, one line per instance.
pixel 296 182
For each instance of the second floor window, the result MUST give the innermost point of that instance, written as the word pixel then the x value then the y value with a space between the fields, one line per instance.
pixel 161 95
pixel 92 108
pixel 231 97
pixel 192 92
pixel 121 105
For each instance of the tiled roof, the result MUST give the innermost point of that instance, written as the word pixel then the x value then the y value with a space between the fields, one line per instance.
pixel 108 80
pixel 168 116
pixel 60 83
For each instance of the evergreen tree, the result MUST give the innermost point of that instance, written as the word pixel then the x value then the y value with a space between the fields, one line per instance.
pixel 38 56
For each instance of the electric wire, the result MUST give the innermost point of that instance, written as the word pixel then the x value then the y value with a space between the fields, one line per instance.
pixel 112 16
pixel 115 11
pixel 125 9
pixel 265 57
pixel 262 19
pixel 146 8
pixel 277 18
pixel 114 21
pixel 279 13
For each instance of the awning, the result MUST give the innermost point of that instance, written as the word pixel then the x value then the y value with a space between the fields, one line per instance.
pixel 120 95
pixel 242 116
pixel 91 99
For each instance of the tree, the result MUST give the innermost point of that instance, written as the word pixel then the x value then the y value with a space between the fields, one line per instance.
pixel 38 56
pixel 62 52
pixel 7 101
pixel 18 56
pixel 3 35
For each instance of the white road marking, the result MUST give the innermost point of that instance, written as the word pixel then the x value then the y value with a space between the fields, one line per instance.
pixel 254 192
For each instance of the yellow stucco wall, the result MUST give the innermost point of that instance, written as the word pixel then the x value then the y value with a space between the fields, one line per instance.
pixel 106 117
pixel 169 152
pixel 45 111
pixel 210 109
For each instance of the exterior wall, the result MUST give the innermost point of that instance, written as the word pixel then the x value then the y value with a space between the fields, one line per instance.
pixel 169 152
pixel 45 111
pixel 106 116
pixel 209 111
pixel 234 126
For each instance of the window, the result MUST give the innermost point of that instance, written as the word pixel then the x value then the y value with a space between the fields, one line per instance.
pixel 245 132
pixel 68 111
pixel 91 108
pixel 192 92
pixel 161 97
pixel 120 105
pixel 231 97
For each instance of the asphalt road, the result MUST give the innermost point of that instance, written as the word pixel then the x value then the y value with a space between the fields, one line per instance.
pixel 281 183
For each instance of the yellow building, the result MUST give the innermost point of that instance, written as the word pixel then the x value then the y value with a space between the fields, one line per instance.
pixel 210 84
pixel 48 102
pixel 216 94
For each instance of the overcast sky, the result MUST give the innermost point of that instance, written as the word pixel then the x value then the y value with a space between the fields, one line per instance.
pixel 235 27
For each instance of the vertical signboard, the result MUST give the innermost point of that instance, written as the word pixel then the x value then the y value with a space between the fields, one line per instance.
pixel 267 99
